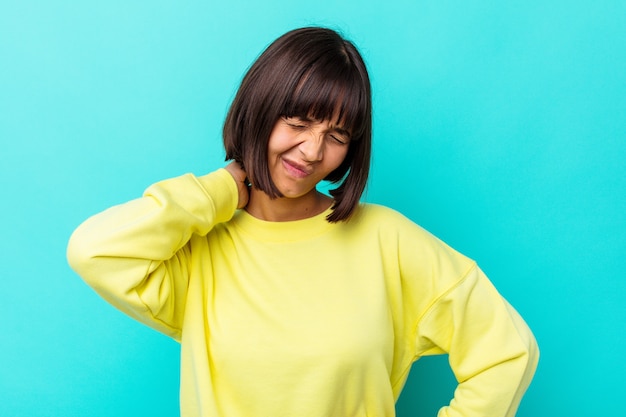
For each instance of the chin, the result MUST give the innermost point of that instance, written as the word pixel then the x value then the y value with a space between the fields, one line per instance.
pixel 291 193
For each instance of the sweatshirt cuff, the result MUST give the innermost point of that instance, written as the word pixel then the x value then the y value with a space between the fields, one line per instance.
pixel 223 193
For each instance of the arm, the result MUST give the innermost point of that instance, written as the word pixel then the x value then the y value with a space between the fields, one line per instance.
pixel 492 352
pixel 135 255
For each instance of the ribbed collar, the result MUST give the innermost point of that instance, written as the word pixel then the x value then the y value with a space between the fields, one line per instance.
pixel 290 231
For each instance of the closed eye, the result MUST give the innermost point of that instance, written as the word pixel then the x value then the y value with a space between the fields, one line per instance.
pixel 337 134
pixel 294 123
pixel 339 139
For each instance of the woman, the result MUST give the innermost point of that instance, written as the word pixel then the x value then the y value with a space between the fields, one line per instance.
pixel 288 302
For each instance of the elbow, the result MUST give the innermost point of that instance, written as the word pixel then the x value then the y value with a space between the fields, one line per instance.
pixel 527 361
pixel 528 348
pixel 532 355
pixel 78 256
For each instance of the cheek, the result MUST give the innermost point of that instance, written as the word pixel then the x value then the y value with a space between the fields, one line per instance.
pixel 279 142
pixel 340 156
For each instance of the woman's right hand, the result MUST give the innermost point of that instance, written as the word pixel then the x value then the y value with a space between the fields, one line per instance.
pixel 235 169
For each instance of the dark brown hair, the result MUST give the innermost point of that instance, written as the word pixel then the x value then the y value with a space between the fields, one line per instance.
pixel 309 73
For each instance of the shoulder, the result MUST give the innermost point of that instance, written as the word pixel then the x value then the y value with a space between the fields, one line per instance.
pixel 369 213
pixel 386 223
pixel 369 210
pixel 394 229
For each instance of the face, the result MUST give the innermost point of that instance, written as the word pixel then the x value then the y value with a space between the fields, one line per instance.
pixel 302 152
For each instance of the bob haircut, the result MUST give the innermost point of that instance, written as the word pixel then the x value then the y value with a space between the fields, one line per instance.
pixel 309 73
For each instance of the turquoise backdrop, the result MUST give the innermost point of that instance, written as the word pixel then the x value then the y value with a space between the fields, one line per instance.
pixel 499 126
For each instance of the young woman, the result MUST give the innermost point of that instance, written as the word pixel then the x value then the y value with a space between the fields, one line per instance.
pixel 288 302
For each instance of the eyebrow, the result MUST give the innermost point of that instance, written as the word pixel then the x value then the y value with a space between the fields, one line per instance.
pixel 343 132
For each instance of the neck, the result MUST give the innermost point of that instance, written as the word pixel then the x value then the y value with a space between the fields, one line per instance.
pixel 283 209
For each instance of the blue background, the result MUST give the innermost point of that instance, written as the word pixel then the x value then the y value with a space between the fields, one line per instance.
pixel 500 127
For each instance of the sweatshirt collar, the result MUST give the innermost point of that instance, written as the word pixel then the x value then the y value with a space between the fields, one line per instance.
pixel 290 231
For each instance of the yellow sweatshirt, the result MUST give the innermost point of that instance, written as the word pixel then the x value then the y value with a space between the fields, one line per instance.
pixel 302 318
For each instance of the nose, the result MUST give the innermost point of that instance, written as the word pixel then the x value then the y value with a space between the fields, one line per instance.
pixel 312 147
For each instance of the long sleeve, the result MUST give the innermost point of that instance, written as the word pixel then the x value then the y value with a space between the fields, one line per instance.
pixel 492 352
pixel 447 305
pixel 135 255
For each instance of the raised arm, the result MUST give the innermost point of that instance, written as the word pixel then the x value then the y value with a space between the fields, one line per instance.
pixel 135 255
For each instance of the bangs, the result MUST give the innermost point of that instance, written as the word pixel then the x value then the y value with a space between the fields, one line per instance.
pixel 328 91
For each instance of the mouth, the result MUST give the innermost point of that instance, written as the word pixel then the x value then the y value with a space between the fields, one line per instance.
pixel 295 169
